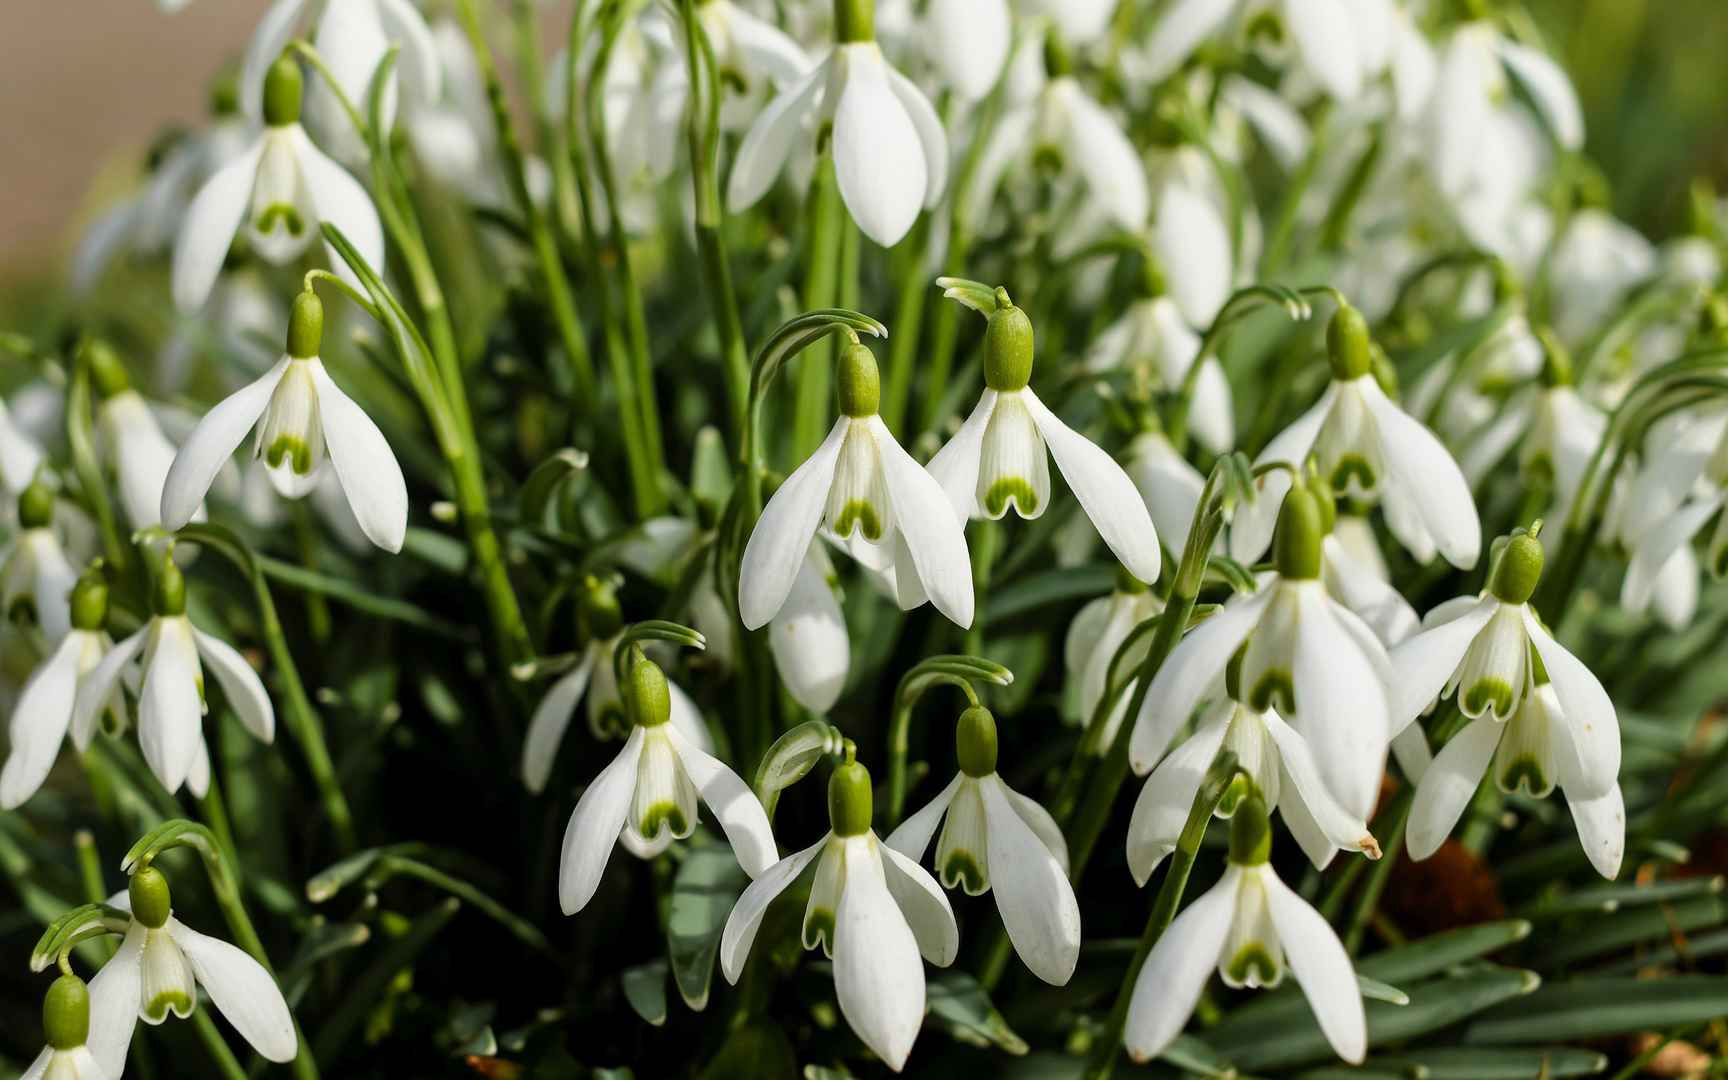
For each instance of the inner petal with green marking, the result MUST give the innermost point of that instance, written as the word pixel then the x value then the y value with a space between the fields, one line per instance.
pixel 291 432
pixel 858 497
pixel 962 850
pixel 1013 463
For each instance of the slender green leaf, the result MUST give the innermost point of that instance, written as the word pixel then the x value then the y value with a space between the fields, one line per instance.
pixel 1511 1063
pixel 709 882
pixel 964 1008
pixel 645 990
pixel 1593 1008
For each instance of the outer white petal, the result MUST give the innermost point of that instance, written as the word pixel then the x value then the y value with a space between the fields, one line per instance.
pixel 1179 31
pixel 212 444
pixel 1189 234
pixel 1340 827
pixel 734 805
pixel 925 906
pixel 878 976
pixel 1601 824
pixel 931 137
pixel 1341 704
pixel 970 40
pixel 1251 528
pixel 767 47
pixel 687 718
pixel 1321 966
pixel 955 466
pixel 777 547
pixel 343 202
pixel 1280 127
pixel 1041 822
pixel 114 996
pixel 808 638
pixel 1449 784
pixel 96 689
pixel 1421 466
pixel 1550 89
pixel 1410 749
pixel 39 721
pixel 769 141
pixel 1326 41
pixel 595 825
pixel 746 917
pixel 925 521
pixel 878 157
pixel 1169 485
pixel 1032 890
pixel 1655 546
pixel 1162 808
pixel 1370 598
pixel 198 776
pixel 274 32
pixel 420 69
pixel 1177 969
pixel 1423 664
pixel 551 719
pixel 912 836
pixel 245 993
pixel 209 227
pixel 1587 709
pixel 1105 492
pixel 170 728
pixel 1114 173
pixel 245 691
pixel 1191 669
pixel 19 454
pixel 364 462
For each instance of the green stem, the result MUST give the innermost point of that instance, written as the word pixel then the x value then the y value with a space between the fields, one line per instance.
pixel 908 324
pixel 985 541
pixel 828 221
pixel 215 811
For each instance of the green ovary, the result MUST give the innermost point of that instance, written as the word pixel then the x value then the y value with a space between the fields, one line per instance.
pixel 1011 489
pixel 862 515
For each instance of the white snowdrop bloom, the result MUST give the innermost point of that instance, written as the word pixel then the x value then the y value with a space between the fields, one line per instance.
pixel 1465 405
pixel 1596 262
pixel 452 134
pixel 1248 928
pixel 1680 491
pixel 871 909
pixel 1281 129
pixel 1325 34
pixel 995 839
pixel 1365 446
pixel 1365 592
pixel 1169 485
pixel 1309 657
pixel 1153 335
pixel 304 423
pixel 968 41
pixel 1190 234
pixel 352 37
pixel 873 500
pixel 132 442
pixel 1492 652
pixel 890 153
pixel 20 456
pixel 1093 639
pixel 276 192
pixel 166 660
pixel 756 59
pixel 160 966
pixel 1556 430
pixel 66 1027
pixel 36 577
pixel 44 710
pixel 1000 458
pixel 646 798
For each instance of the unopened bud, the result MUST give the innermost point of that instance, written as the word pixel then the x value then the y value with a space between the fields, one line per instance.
pixel 860 384
pixel 975 741
pixel 851 803
pixel 1347 344
pixel 1008 350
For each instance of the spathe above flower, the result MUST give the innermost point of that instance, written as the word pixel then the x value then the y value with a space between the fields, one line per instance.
pixel 304 422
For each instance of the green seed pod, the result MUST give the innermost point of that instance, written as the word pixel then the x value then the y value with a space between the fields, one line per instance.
pixel 1518 570
pixel 35 506
pixel 283 89
pixel 860 384
pixel 1347 344
pixel 647 701
pixel 598 613
pixel 1296 544
pixel 168 594
pixel 1008 350
pixel 90 601
pixel 854 21
pixel 151 902
pixel 975 741
pixel 66 1013
pixel 1250 832
pixel 306 326
pixel 851 803
pixel 107 372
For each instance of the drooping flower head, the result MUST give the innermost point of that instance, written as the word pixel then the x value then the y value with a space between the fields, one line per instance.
pixel 36 577
pixel 133 444
pixel 66 1031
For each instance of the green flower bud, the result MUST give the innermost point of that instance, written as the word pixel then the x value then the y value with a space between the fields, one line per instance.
pixel 598 614
pixel 647 701
pixel 975 741
pixel 1517 570
pixel 851 803
pixel 66 1013
pixel 35 506
pixel 90 601
pixel 306 326
pixel 168 594
pixel 151 902
pixel 1250 832
pixel 854 21
pixel 860 384
pixel 1347 344
pixel 1007 349
pixel 283 88
pixel 1296 544
pixel 106 369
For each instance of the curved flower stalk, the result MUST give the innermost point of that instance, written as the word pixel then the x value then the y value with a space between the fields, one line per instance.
pixel 1000 457
pixel 158 970
pixel 890 153
pixel 20 456
pixel 1250 927
pixel 44 711
pixel 66 1030
pixel 1307 656
pixel 276 192
pixel 872 909
pixel 1095 636
pixel 994 838
pixel 36 577
pixel 1153 335
pixel 869 497
pixel 304 422
pixel 646 798
pixel 1327 37
pixel 169 655
pixel 1366 446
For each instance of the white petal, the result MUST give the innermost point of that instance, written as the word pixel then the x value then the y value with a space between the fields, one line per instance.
pixel 19 454
pixel 1190 234
pixel 245 993
pixel 1340 827
pixel 970 41
pixel 39 721
pixel 1178 31
pixel 114 994
pixel 769 141
pixel 1341 704
pixel 687 718
pixel 1177 969
pixel 1381 607
pixel 1656 545
pixel 1410 748
pixel 1105 492
pixel 1587 710
pixel 364 463
pixel 1042 824
pixel 1321 966
pixel 1165 801
pixel 1449 785
pixel 1601 826
pixel 1550 89
pixel 746 917
pixel 170 712
pixel 198 776
pixel 245 692
pixel 1169 486
pixel 1420 466
pixel 878 158
pixel 925 906
pixel 212 444
pixel 1424 664
pixel 1252 526
pixel 551 718
pixel 340 200
pixel 274 32
pixel 209 226
pixel 955 466
pixel 1103 155
pixel 734 805
pixel 878 976
pixel 96 689
pixel 1280 127
pixel 912 836
pixel 924 519
pixel 1191 669
pixel 766 47
pixel 931 137
pixel 1326 41
pixel 777 547
pixel 1032 890
pixel 595 825
pixel 808 638
pixel 420 68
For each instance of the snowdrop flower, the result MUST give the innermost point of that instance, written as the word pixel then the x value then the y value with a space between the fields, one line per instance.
pixel 171 701
pixel 159 968
pixel 36 577
pixel 969 43
pixel 1153 335
pixel 870 497
pixel 599 625
pixel 304 422
pixel 20 456
pixel 872 909
pixel 1324 32
pixel 1492 652
pixel 1597 261
pixel 1169 485
pixel 1095 636
pixel 890 154
pixel 1248 927
pixel 755 56
pixel 1358 579
pixel 646 797
pixel 1556 430
pixel 1307 655
pixel 44 710
pixel 1191 230
pixel 1001 456
pixel 994 838
pixel 277 192
pixel 66 1027
pixel 1680 490
pixel 132 442
pixel 1366 445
